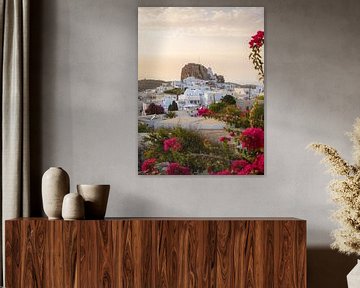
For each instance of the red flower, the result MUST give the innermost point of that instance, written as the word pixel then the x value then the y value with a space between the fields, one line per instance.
pixel 247 170
pixel 177 169
pixel 260 34
pixel 223 172
pixel 252 138
pixel 148 165
pixel 259 163
pixel 232 133
pixel 257 40
pixel 172 144
pixel 203 111
pixel 238 165
pixel 224 139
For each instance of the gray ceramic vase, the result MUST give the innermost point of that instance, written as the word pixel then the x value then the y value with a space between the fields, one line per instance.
pixel 73 207
pixel 55 185
pixel 96 198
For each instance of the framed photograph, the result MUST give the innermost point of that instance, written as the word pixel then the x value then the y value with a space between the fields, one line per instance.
pixel 201 91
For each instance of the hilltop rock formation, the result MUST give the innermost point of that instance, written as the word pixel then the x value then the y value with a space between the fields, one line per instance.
pixel 196 70
pixel 220 78
pixel 200 72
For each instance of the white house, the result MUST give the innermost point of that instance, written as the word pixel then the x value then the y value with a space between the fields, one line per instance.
pixel 250 92
pixel 190 99
pixel 167 100
pixel 211 97
pixel 192 81
pixel 178 84
pixel 245 103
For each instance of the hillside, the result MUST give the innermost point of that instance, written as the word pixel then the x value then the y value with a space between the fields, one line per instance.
pixel 149 84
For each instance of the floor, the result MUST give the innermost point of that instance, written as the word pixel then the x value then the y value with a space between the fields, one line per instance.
pixel 328 268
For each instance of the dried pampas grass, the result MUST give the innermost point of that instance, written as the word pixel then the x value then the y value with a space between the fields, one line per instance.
pixel 345 191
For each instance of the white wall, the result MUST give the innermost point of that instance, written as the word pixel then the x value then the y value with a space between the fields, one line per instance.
pixel 86 77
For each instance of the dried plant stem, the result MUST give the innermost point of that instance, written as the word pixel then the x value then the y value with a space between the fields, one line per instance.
pixel 345 191
pixel 337 165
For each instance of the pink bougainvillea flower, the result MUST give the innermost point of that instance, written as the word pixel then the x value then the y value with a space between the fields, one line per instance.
pixel 148 165
pixel 247 170
pixel 259 163
pixel 224 139
pixel 238 165
pixel 177 169
pixel 172 144
pixel 252 138
pixel 223 172
pixel 259 35
pixel 203 111
pixel 257 40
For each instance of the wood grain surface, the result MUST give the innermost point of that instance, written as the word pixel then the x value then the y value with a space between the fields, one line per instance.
pixel 244 253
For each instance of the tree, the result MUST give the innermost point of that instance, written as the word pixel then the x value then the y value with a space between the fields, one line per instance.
pixel 173 106
pixel 228 100
pixel 154 109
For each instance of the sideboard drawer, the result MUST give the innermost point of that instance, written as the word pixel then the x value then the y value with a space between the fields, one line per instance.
pixel 156 252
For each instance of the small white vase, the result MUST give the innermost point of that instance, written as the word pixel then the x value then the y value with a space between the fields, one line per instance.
pixel 353 278
pixel 96 198
pixel 73 207
pixel 55 185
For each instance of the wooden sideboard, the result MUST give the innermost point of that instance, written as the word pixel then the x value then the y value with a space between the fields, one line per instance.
pixel 156 252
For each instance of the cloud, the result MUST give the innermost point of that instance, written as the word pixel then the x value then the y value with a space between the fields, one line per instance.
pixel 201 21
pixel 169 37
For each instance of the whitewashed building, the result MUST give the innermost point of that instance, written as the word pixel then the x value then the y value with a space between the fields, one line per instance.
pixel 248 92
pixel 167 100
pixel 192 82
pixel 211 97
pixel 245 103
pixel 178 84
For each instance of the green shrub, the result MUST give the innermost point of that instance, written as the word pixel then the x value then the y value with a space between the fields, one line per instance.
pixel 175 91
pixel 197 152
pixel 228 100
pixel 233 117
pixel 171 115
pixel 144 128
pixel 256 115
pixel 217 107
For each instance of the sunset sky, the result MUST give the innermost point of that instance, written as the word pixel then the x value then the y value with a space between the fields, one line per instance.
pixel 170 37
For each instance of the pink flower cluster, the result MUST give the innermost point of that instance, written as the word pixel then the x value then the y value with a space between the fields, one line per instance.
pixel 203 111
pixel 257 40
pixel 172 144
pixel 224 139
pixel 148 165
pixel 258 164
pixel 243 167
pixel 238 165
pixel 252 138
pixel 223 172
pixel 177 169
